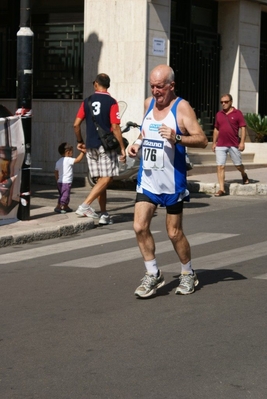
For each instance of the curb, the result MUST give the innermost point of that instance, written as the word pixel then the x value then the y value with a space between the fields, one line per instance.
pixel 44 228
pixel 230 189
pixel 44 233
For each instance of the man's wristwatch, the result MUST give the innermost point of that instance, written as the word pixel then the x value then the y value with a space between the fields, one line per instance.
pixel 178 138
pixel 80 141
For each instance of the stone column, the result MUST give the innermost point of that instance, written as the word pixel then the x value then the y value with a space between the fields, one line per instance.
pixel 119 37
pixel 239 27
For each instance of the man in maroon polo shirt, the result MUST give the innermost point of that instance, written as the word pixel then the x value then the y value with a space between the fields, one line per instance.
pixel 226 140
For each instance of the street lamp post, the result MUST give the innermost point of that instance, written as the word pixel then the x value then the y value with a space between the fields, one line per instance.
pixel 24 101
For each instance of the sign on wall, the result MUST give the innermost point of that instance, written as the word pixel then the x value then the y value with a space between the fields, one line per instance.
pixel 159 47
pixel 12 151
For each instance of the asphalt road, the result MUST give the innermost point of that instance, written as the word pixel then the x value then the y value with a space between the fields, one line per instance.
pixel 71 328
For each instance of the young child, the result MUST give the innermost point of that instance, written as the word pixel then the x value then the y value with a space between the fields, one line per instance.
pixel 64 176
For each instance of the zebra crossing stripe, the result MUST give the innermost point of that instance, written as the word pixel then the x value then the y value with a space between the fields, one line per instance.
pixel 109 258
pixel 262 276
pixel 72 245
pixel 63 247
pixel 225 258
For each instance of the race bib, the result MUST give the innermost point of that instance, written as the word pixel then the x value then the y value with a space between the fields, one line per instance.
pixel 152 154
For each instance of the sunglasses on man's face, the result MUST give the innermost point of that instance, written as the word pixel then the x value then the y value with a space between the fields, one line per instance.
pixel 225 102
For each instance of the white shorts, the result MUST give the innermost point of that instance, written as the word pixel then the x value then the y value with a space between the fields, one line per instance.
pixel 222 152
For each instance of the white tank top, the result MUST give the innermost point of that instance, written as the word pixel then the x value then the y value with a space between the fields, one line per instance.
pixel 162 169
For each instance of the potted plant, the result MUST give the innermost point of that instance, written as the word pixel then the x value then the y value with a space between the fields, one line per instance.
pixel 258 125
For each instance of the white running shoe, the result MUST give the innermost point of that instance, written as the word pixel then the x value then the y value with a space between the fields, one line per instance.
pixel 89 212
pixel 149 285
pixel 105 219
pixel 187 285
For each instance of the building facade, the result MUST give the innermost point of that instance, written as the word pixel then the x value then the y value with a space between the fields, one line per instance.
pixel 214 47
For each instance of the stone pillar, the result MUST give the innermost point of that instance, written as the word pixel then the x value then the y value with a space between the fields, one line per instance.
pixel 239 27
pixel 119 37
pixel 158 36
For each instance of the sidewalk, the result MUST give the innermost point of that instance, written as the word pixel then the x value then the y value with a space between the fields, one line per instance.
pixel 44 223
pixel 208 182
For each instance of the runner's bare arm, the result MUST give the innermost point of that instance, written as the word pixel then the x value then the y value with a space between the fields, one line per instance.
pixel 193 135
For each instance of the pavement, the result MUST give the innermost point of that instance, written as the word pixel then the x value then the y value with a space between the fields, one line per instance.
pixel 208 182
pixel 44 223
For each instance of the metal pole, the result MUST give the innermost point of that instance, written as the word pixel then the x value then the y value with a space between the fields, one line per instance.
pixel 24 101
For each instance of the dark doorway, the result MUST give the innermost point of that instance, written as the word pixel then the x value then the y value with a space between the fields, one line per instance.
pixel 195 57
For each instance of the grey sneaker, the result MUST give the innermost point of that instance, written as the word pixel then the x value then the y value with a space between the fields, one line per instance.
pixel 149 285
pixel 89 212
pixel 187 285
pixel 105 219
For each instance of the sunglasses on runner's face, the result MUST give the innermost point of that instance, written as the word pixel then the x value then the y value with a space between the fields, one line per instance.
pixel 225 102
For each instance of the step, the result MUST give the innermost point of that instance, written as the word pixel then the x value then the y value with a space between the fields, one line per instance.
pixel 203 158
pixel 212 168
pixel 199 150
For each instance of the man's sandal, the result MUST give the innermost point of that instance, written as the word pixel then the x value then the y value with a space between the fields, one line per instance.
pixel 220 193
pixel 245 179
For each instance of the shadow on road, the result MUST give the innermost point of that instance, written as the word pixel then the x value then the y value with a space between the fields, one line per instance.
pixel 206 277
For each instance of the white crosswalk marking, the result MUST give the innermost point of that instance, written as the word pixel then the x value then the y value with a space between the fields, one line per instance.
pixel 63 247
pixel 208 262
pixel 226 258
pixel 262 277
pixel 133 253
pixel 199 238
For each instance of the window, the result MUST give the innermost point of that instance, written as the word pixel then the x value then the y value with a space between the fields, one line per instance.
pixel 58 60
pixel 58 47
pixel 194 14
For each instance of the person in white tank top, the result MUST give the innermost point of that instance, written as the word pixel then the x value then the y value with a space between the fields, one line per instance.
pixel 163 172
pixel 169 125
